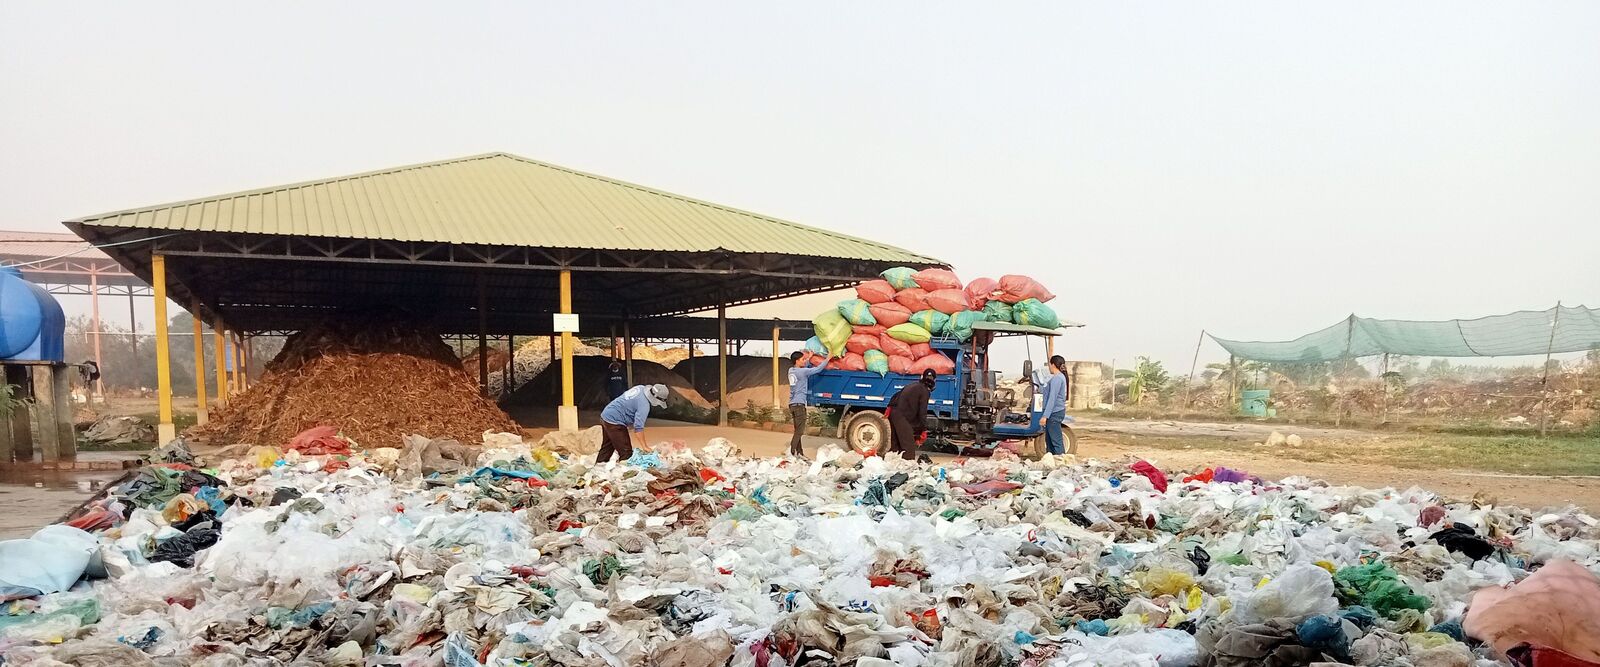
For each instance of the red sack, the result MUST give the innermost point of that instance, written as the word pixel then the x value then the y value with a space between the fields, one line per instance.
pixel 320 440
pixel 936 279
pixel 890 314
pixel 860 343
pixel 899 364
pixel 920 350
pixel 893 347
pixel 868 329
pixel 980 290
pixel 852 362
pixel 941 365
pixel 875 291
pixel 948 301
pixel 1015 288
pixel 913 298
pixel 1152 473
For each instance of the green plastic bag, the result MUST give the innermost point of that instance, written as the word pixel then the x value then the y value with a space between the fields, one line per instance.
pixel 1034 313
pixel 877 362
pixel 1377 587
pixel 932 320
pixel 900 277
pixel 997 311
pixel 857 312
pixel 909 333
pixel 832 329
pixel 960 325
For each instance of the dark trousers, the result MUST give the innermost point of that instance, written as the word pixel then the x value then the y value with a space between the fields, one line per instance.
pixel 614 439
pixel 797 416
pixel 904 436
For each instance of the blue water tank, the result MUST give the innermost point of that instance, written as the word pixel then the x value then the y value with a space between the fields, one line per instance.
pixel 32 327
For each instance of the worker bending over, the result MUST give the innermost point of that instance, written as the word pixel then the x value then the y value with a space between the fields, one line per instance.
pixel 622 422
pixel 908 415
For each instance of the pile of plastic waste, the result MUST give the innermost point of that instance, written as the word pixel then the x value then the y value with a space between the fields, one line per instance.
pixel 510 554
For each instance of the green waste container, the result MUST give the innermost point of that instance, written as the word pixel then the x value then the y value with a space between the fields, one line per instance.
pixel 1253 402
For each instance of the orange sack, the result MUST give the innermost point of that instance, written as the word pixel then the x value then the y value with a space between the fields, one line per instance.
pixel 860 343
pixel 852 362
pixel 868 329
pixel 875 291
pixel 980 290
pixel 899 364
pixel 940 364
pixel 936 279
pixel 893 347
pixel 913 298
pixel 890 314
pixel 1015 288
pixel 920 350
pixel 948 301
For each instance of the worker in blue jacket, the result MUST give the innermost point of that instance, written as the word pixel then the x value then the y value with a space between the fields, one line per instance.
pixel 800 372
pixel 622 422
pixel 1054 388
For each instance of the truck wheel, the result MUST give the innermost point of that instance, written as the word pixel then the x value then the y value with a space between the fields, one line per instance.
pixel 866 431
pixel 1071 440
pixel 1036 448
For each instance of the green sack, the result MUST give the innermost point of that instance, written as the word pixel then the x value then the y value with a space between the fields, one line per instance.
pixel 855 311
pixel 1033 313
pixel 932 320
pixel 960 325
pixel 900 277
pixel 909 333
pixel 997 311
pixel 877 362
pixel 832 329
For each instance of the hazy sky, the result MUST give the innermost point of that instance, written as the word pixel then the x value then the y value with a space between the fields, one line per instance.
pixel 1258 169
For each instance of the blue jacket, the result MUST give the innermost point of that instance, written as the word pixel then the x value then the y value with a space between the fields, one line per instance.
pixel 1055 391
pixel 800 382
pixel 629 409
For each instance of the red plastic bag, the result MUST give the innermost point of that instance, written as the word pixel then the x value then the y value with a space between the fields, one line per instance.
pixel 868 329
pixel 1157 478
pixel 948 301
pixel 936 279
pixel 940 364
pixel 890 314
pixel 860 343
pixel 913 298
pixel 893 347
pixel 875 291
pixel 980 290
pixel 899 364
pixel 1015 288
pixel 852 362
pixel 920 350
pixel 319 440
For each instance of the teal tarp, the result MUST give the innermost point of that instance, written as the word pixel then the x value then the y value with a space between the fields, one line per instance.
pixel 1575 329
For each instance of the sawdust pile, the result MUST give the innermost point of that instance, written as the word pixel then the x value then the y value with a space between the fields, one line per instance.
pixel 376 378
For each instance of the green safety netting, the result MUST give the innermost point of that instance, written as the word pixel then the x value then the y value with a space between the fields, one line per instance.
pixel 1574 329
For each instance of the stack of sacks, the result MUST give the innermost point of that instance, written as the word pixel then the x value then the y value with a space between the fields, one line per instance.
pixel 886 328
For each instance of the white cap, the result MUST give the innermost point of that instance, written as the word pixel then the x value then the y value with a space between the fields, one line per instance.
pixel 656 394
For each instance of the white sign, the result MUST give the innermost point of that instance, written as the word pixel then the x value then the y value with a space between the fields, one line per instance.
pixel 565 322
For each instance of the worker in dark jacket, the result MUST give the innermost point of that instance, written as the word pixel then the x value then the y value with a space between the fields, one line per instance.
pixel 908 415
pixel 616 381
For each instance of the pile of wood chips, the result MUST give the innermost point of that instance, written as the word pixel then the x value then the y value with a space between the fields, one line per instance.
pixel 376 379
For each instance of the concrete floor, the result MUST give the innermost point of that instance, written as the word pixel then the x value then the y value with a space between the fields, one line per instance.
pixel 33 498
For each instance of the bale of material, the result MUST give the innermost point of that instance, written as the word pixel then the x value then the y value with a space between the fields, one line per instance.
pixel 589 384
pixel 376 378
pixel 744 373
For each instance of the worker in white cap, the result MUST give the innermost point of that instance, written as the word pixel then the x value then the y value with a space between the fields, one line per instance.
pixel 622 422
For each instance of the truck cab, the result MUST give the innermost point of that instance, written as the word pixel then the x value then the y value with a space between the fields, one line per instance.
pixel 969 411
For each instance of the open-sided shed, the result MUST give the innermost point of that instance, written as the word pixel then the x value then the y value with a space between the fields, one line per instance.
pixel 491 243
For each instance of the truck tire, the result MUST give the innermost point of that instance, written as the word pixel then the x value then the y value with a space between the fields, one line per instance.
pixel 1036 448
pixel 867 430
pixel 1070 439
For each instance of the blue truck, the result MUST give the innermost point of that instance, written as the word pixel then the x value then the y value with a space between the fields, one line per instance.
pixel 969 412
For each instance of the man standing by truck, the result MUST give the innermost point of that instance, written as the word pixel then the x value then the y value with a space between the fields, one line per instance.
pixel 800 372
pixel 908 415
pixel 1054 387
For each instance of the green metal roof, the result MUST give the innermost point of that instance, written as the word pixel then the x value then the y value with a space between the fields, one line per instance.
pixel 505 200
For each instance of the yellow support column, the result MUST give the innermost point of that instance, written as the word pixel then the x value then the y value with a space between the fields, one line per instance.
pixel 165 431
pixel 238 362
pixel 219 337
pixel 200 414
pixel 775 370
pixel 567 416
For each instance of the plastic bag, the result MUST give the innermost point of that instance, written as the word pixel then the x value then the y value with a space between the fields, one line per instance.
pixel 931 320
pixel 909 333
pixel 875 291
pixel 1302 589
pixel 876 361
pixel 920 350
pixel 861 343
pixel 890 314
pixel 997 311
pixel 1163 581
pixel 960 325
pixel 832 329
pixel 1376 586
pixel 937 362
pixel 900 277
pixel 52 560
pixel 893 346
pixel 856 311
pixel 1031 312
pixel 1557 606
pixel 948 301
pixel 914 299
pixel 814 345
pixel 1016 289
pixel 936 279
pixel 980 290
pixel 900 364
